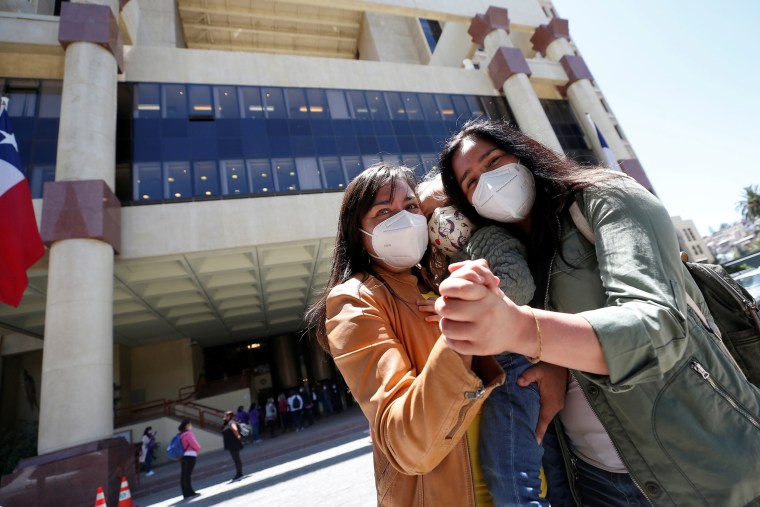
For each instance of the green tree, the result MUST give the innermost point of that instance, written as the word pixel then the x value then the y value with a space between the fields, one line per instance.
pixel 749 206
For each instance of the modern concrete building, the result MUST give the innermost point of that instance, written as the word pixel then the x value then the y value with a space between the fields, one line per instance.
pixel 691 242
pixel 187 160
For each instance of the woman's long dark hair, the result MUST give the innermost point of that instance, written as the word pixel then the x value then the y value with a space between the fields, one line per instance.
pixel 557 179
pixel 350 257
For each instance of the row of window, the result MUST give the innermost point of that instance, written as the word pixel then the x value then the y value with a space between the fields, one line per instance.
pixel 186 180
pixel 260 140
pixel 201 102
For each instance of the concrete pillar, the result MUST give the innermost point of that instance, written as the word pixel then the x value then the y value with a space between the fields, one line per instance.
pixel 551 40
pixel 80 224
pixel 286 371
pixel 509 71
pixel 319 364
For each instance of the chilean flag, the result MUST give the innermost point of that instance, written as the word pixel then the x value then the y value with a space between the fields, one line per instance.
pixel 609 158
pixel 20 243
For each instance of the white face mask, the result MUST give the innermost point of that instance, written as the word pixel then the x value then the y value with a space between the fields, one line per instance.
pixel 401 240
pixel 449 230
pixel 505 194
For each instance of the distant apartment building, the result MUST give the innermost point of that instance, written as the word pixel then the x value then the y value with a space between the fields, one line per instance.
pixel 691 242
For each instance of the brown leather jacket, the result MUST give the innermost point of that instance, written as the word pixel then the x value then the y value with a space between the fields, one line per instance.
pixel 416 393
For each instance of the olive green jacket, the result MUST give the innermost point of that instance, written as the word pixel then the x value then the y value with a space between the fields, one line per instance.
pixel 683 418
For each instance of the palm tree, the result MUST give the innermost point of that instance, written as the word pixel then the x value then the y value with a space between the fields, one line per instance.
pixel 749 206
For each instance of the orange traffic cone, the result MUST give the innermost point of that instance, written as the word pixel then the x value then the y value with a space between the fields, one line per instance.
pixel 100 498
pixel 125 499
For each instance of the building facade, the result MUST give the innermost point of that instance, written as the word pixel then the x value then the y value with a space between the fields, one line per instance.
pixel 187 160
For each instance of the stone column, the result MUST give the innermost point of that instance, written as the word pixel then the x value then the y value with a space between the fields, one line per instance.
pixel 81 225
pixel 551 40
pixel 509 71
pixel 287 368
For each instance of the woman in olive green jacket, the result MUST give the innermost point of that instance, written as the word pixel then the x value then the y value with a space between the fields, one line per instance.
pixel 653 398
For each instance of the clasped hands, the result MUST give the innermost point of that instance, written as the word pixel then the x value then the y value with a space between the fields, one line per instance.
pixel 476 318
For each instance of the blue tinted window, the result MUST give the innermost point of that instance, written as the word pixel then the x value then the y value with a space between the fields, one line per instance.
pixel 206 179
pixel 251 105
pixel 432 30
pixel 391 158
pixel 44 152
pixel 296 99
pixel 21 103
pixel 174 101
pixel 476 108
pixel 412 106
pixel 395 105
pixel 201 135
pixel 353 166
pixel 412 161
pixel 302 145
pixel 318 107
pixel 406 143
pixel 383 127
pixel 496 107
pixel 377 107
pixel 229 147
pixel 50 99
pixel 332 171
pixel 40 175
pixel 346 144
pixel 228 127
pixel 234 178
pixel 429 106
pixel 429 161
pixel 299 128
pixel 285 172
pixel 322 128
pixel 336 101
pixel 358 105
pixel 148 183
pixel 387 144
pixel 368 160
pixel 279 146
pixel 309 177
pixel 147 149
pixel 368 145
pixel 226 102
pixel 201 105
pixel 274 103
pixel 173 128
pixel 461 109
pixel 262 179
pixel 179 184
pixel 326 146
pixel 446 107
pixel 147 101
pixel 402 128
pixel 175 148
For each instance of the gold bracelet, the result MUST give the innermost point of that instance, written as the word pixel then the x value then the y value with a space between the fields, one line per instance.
pixel 534 360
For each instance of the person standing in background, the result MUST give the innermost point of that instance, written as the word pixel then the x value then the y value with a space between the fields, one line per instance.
pixel 191 448
pixel 148 450
pixel 270 416
pixel 233 442
pixel 254 415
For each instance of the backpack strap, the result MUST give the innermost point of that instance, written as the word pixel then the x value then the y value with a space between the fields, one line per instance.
pixel 584 227
pixel 580 221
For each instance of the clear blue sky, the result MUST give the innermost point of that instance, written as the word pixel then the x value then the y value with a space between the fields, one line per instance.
pixel 683 79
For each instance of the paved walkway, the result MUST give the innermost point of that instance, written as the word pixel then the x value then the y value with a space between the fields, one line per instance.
pixel 216 468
